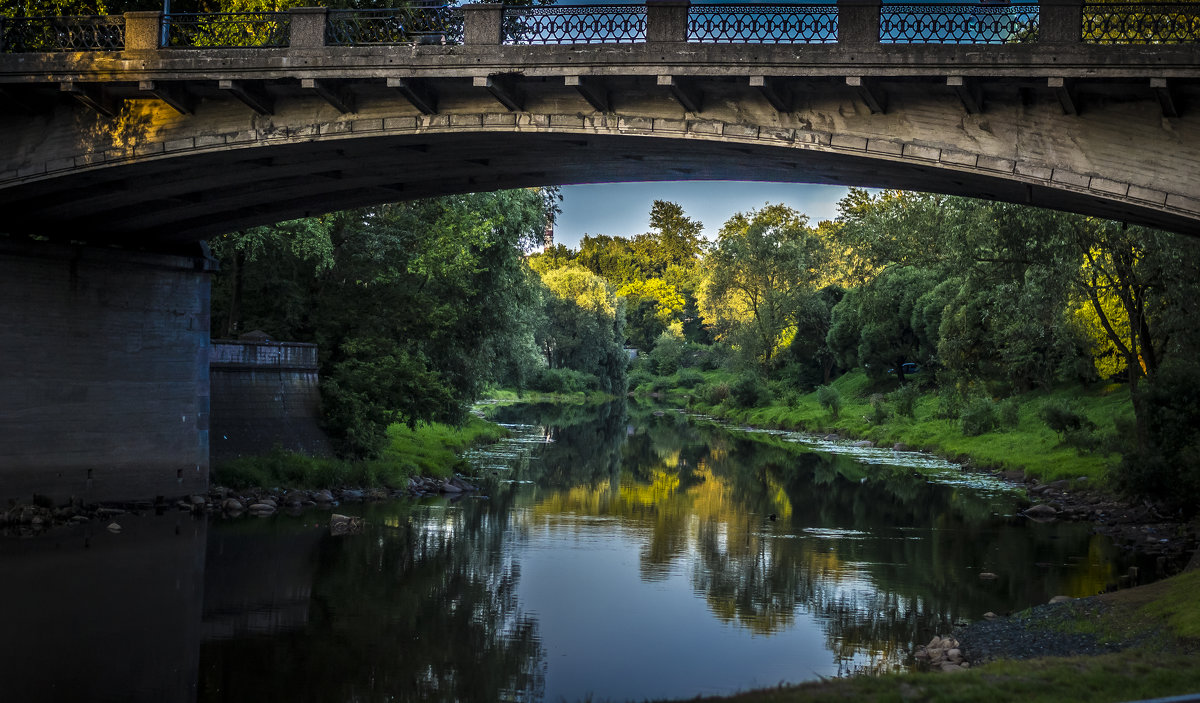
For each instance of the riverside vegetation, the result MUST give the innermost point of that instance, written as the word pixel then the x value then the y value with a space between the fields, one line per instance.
pixel 1056 347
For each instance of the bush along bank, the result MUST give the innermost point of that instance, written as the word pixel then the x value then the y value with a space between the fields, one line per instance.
pixel 418 461
pixel 1062 444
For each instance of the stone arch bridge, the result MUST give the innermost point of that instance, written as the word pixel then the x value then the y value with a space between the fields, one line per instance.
pixel 184 128
pixel 152 133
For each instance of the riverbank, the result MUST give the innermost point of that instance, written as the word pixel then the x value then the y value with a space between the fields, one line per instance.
pixel 1067 479
pixel 1129 645
pixel 1134 643
pixel 428 450
pixel 1014 437
pixel 418 461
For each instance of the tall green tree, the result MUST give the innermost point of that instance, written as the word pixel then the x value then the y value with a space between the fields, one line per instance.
pixel 415 306
pixel 765 266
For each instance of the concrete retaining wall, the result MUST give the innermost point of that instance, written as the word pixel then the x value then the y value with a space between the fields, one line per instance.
pixel 264 394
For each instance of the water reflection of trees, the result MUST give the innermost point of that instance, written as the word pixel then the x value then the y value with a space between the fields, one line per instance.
pixel 879 555
pixel 422 607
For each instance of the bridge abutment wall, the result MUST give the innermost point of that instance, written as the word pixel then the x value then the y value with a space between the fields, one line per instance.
pixel 104 385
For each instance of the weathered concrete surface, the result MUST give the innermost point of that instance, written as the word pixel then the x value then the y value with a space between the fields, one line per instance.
pixel 104 387
pixel 264 394
pixel 152 172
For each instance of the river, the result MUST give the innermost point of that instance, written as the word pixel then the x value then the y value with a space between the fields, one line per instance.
pixel 616 553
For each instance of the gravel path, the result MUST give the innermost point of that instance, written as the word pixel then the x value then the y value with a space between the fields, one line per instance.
pixel 1041 632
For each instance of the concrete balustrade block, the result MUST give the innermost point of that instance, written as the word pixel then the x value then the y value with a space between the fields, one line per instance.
pixel 307 27
pixel 858 21
pixel 143 31
pixel 483 24
pixel 667 20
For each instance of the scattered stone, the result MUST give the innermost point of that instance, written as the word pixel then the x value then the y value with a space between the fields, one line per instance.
pixel 989 615
pixel 114 527
pixel 232 505
pixel 344 525
pixel 900 447
pixel 448 487
pixel 262 509
pixel 943 654
pixel 987 576
pixel 199 500
pixel 323 496
pixel 80 518
pixel 863 443
pixel 1041 511
pixel 1061 599
pixel 352 494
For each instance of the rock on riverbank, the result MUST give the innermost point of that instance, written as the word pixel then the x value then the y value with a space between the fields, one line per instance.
pixel 27 519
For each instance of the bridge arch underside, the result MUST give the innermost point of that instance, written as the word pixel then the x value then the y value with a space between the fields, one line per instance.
pixel 151 177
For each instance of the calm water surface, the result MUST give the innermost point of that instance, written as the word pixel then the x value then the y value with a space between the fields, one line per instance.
pixel 620 553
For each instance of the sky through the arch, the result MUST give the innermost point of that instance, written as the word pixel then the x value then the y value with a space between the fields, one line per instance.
pixel 623 209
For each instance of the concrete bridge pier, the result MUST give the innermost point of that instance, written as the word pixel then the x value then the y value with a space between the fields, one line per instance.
pixel 104 381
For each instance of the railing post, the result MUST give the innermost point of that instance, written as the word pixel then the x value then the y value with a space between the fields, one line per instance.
pixel 667 20
pixel 143 31
pixel 1060 21
pixel 482 24
pixel 307 29
pixel 858 21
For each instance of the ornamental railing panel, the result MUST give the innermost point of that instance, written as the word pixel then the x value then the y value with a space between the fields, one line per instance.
pixel 1148 23
pixel 421 23
pixel 87 33
pixel 227 30
pixel 575 24
pixel 763 24
pixel 958 24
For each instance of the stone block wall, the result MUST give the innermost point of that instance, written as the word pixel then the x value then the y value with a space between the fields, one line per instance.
pixel 264 394
pixel 103 372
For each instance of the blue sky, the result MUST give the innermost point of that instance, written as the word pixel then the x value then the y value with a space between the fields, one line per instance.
pixel 623 209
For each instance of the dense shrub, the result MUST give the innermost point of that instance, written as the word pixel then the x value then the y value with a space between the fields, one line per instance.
pixel 1166 465
pixel 830 399
pixel 789 396
pixel 688 378
pixel 1008 413
pixel 668 354
pixel 1063 418
pixel 708 358
pixel 879 409
pixel 950 404
pixel 749 391
pixel 978 416
pixel 640 378
pixel 715 394
pixel 904 399
pixel 563 381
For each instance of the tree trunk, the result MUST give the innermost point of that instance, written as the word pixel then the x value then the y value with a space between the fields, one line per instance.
pixel 234 321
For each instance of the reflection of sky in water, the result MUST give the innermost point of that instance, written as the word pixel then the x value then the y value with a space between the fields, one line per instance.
pixel 694 561
pixel 584 573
